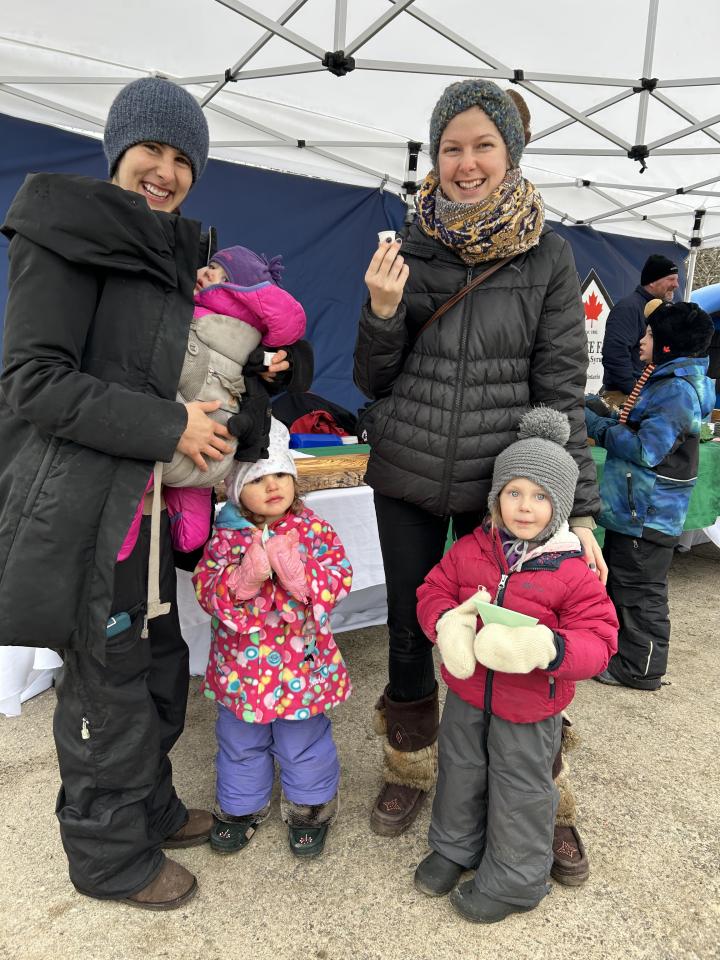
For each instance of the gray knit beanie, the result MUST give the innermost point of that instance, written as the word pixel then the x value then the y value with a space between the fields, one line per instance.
pixel 539 455
pixel 493 101
pixel 155 109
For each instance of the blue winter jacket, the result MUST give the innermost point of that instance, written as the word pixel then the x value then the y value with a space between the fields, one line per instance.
pixel 652 460
pixel 624 329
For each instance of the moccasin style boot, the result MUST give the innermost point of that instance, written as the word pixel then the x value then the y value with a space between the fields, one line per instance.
pixel 570 864
pixel 410 767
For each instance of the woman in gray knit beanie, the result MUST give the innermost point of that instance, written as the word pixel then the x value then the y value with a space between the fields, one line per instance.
pixel 94 345
pixel 450 391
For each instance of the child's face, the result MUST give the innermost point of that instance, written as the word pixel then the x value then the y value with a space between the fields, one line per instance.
pixel 209 275
pixel 525 508
pixel 646 346
pixel 269 497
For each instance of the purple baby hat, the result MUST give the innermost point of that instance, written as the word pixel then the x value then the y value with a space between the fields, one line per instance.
pixel 245 268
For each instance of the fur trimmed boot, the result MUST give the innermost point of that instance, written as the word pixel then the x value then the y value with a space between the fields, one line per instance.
pixel 410 760
pixel 308 824
pixel 570 863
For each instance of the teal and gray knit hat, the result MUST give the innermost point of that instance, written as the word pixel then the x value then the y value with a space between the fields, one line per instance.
pixel 155 109
pixel 493 101
pixel 540 455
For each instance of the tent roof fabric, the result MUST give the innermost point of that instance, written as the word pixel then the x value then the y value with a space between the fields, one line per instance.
pixel 624 101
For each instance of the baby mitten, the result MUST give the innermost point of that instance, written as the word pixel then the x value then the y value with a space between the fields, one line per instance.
pixel 247 578
pixel 455 636
pixel 287 562
pixel 515 649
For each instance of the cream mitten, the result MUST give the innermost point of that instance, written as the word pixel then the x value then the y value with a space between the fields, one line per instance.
pixel 455 636
pixel 515 649
pixel 245 580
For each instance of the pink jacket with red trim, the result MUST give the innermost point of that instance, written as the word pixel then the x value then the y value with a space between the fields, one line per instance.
pixel 553 584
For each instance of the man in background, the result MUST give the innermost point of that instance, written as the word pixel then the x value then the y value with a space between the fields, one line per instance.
pixel 625 327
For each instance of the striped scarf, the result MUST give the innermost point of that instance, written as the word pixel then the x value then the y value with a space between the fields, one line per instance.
pixel 635 393
pixel 504 224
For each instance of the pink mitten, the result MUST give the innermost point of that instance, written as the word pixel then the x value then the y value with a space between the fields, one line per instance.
pixel 287 562
pixel 245 581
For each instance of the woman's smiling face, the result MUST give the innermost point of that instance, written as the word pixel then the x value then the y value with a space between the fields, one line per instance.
pixel 160 173
pixel 473 158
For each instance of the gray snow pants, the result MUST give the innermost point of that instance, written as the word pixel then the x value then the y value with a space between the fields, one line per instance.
pixel 495 802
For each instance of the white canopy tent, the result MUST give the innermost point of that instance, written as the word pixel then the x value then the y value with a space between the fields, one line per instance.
pixel 625 106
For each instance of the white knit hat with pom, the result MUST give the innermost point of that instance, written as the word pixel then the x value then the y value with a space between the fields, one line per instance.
pixel 540 455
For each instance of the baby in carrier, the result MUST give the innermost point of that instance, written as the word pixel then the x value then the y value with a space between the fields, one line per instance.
pixel 240 311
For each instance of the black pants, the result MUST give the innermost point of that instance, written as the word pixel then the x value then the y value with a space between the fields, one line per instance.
pixel 412 541
pixel 638 586
pixel 114 726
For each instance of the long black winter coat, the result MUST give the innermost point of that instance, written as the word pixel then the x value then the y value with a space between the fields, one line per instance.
pixel 98 313
pixel 624 329
pixel 449 403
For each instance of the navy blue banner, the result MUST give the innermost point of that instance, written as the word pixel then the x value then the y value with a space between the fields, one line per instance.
pixel 326 233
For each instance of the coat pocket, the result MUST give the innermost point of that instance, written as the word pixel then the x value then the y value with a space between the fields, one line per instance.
pixel 371 422
pixel 41 475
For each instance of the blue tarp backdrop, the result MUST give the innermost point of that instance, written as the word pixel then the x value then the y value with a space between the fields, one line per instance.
pixel 326 233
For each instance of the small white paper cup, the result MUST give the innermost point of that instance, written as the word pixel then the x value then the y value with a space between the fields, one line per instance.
pixel 386 235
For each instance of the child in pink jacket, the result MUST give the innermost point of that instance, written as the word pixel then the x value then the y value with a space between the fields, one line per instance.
pixel 270 576
pixel 495 803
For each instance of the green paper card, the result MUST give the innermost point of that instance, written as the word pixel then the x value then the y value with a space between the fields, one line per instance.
pixel 491 613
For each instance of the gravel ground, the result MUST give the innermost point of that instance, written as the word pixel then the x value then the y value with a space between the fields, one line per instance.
pixel 648 783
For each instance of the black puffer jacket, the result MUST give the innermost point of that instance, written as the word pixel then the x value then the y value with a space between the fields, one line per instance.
pixel 450 402
pixel 99 308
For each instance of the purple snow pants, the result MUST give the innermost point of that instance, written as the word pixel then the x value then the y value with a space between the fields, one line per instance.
pixel 304 749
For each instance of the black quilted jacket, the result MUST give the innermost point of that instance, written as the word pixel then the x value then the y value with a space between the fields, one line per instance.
pixel 450 401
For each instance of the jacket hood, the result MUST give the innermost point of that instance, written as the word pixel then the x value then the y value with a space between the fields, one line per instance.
pixel 94 223
pixel 270 309
pixel 693 370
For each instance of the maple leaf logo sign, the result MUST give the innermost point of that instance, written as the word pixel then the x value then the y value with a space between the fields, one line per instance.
pixel 593 307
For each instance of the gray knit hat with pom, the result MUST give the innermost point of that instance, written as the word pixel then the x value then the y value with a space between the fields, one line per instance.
pixel 492 100
pixel 152 108
pixel 540 455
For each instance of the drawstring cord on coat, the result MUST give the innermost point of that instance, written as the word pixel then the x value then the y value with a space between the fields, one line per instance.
pixel 154 606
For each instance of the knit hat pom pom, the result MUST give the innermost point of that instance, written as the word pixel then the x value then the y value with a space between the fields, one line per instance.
pixel 276 267
pixel 547 423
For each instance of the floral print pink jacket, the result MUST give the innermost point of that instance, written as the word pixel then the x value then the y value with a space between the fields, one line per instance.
pixel 274 657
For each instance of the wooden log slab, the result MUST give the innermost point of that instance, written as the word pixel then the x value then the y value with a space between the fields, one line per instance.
pixel 325 473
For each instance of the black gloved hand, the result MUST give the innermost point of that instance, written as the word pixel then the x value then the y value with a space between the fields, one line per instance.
pixel 597 405
pixel 251 427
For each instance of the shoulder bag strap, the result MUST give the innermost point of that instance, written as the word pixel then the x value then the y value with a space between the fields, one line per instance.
pixel 456 297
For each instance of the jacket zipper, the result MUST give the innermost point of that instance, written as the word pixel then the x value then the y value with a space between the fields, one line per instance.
pixel 489 676
pixel 631 498
pixel 457 401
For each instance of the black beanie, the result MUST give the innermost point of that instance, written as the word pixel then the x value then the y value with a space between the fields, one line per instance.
pixel 656 267
pixel 679 330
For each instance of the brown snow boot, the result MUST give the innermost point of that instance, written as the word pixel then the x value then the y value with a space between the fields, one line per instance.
pixel 570 864
pixel 410 762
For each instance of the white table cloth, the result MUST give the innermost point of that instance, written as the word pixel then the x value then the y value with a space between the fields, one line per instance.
pixel 25 671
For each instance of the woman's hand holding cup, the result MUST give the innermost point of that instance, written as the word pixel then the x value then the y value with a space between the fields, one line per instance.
pixel 203 437
pixel 385 278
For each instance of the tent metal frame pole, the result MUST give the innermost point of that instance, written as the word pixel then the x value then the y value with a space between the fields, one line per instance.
pixel 377 26
pixel 401 145
pixel 635 216
pixel 596 108
pixel 690 82
pixel 644 95
pixel 285 140
pixel 54 105
pixel 254 49
pixel 340 27
pixel 663 196
pixel 681 112
pixel 695 244
pixel 273 26
pixel 686 131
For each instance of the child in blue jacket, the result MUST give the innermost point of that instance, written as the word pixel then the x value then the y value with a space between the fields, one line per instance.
pixel 651 468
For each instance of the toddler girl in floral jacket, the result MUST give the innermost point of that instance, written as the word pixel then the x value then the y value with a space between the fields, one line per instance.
pixel 270 576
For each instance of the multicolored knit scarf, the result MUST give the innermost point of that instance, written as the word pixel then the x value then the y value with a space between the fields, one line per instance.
pixel 635 393
pixel 506 223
